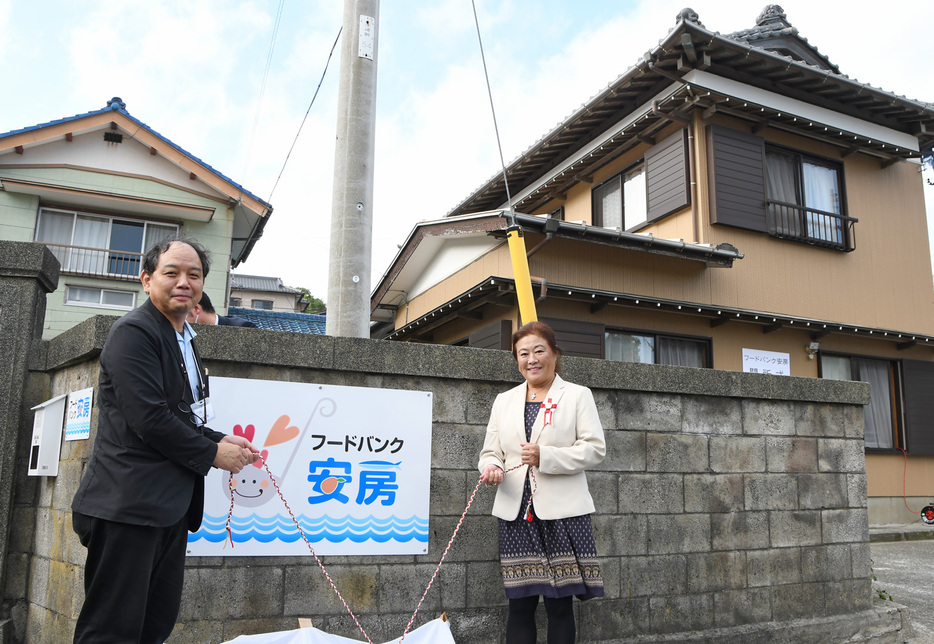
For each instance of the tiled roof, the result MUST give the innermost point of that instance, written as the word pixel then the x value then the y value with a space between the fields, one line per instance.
pixel 773 24
pixel 763 61
pixel 117 105
pixel 282 320
pixel 260 283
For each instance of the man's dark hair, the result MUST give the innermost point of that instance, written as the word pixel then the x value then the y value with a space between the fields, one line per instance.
pixel 205 304
pixel 151 258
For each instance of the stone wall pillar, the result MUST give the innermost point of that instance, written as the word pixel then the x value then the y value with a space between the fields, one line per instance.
pixel 28 271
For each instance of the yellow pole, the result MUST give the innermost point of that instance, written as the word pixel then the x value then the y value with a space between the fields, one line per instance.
pixel 520 273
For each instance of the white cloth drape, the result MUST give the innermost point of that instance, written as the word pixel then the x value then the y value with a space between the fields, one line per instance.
pixel 684 353
pixel 635 197
pixel 878 413
pixel 434 632
pixel 90 232
pixel 821 193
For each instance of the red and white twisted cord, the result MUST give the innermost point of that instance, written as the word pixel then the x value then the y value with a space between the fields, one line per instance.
pixel 328 576
pixel 301 531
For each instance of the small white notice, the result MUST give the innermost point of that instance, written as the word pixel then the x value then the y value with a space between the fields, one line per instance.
pixel 771 362
pixel 366 41
pixel 78 422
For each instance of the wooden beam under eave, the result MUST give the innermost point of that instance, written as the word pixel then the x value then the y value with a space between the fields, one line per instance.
pixel 18 149
pixel 192 176
pixel 596 307
pixel 69 137
pixel 152 151
pixel 759 126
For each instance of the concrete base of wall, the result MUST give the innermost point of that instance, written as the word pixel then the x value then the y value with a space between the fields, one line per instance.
pixel 884 623
pixel 891 510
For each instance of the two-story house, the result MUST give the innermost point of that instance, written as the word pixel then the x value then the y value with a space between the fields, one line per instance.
pixel 733 201
pixel 99 189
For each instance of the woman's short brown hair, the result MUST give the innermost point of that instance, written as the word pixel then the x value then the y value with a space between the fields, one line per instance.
pixel 543 331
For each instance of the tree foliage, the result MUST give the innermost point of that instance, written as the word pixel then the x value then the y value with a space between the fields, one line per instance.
pixel 314 305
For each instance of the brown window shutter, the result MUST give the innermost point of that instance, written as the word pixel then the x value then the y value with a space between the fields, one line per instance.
pixel 918 383
pixel 736 171
pixel 493 336
pixel 666 176
pixel 584 339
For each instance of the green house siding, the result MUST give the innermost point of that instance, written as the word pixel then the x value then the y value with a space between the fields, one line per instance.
pixel 17 216
pixel 18 213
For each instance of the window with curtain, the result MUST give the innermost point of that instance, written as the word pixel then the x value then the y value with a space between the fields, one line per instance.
pixel 879 415
pixel 804 196
pixel 265 305
pixel 624 346
pixel 97 244
pixel 620 201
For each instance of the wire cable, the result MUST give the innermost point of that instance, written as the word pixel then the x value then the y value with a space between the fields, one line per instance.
pixel 317 89
pixel 905 483
pixel 262 88
pixel 493 110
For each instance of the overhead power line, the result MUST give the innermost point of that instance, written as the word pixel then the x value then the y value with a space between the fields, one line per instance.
pixel 262 89
pixel 317 89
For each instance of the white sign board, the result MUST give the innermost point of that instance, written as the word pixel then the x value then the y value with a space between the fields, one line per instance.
pixel 771 362
pixel 353 464
pixel 78 421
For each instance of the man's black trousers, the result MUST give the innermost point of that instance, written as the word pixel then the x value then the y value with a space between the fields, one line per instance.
pixel 132 580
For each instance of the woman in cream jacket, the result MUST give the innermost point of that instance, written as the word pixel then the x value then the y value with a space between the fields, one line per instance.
pixel 541 438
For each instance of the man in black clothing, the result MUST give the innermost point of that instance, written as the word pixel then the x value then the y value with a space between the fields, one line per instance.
pixel 143 488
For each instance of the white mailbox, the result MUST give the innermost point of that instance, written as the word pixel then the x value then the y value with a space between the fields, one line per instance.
pixel 46 446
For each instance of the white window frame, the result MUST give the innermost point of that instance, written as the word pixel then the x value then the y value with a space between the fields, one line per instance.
pixel 106 251
pixel 632 176
pixel 100 303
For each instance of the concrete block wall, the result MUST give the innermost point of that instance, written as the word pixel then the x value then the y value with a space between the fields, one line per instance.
pixel 729 512
pixel 731 507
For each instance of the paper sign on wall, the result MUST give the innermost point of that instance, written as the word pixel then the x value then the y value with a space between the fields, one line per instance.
pixel 771 362
pixel 353 463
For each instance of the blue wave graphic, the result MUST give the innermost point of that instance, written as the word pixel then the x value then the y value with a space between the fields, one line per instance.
pixel 316 529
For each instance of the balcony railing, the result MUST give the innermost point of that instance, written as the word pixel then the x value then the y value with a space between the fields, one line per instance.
pixel 98 262
pixel 811 226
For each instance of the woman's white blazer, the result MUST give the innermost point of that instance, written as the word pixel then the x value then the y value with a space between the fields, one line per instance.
pixel 571 442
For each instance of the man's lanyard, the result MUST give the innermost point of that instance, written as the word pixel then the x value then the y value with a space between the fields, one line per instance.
pixel 192 373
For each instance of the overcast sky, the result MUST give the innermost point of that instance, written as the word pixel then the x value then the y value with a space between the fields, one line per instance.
pixel 193 71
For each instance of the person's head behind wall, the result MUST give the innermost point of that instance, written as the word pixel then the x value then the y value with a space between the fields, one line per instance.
pixel 203 312
pixel 173 276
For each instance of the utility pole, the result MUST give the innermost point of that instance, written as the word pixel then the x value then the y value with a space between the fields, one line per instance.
pixel 350 255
